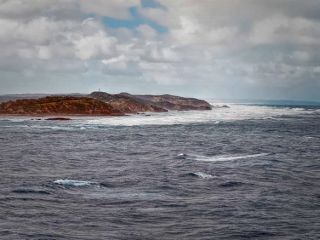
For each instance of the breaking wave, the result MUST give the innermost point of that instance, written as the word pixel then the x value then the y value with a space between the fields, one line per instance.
pixel 201 175
pixel 74 183
pixel 224 113
pixel 233 112
pixel 219 158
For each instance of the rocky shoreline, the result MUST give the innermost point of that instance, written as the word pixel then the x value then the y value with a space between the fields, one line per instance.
pixel 99 104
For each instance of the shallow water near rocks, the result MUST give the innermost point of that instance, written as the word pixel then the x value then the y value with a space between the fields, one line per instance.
pixel 244 172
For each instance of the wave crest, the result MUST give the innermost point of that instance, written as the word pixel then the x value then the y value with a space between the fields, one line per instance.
pixel 202 175
pixel 219 158
pixel 74 183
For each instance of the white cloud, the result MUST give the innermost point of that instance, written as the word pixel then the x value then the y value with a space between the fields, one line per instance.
pixel 118 63
pixel 242 43
pixel 94 46
pixel 286 30
pixel 20 9
pixel 110 8
pixel 146 31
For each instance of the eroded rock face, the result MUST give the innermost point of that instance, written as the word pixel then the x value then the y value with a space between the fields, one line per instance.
pixel 59 105
pixel 127 103
pixel 171 102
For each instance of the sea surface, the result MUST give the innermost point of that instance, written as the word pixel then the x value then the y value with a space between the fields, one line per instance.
pixel 242 172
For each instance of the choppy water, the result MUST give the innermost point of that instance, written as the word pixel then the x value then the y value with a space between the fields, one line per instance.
pixel 245 172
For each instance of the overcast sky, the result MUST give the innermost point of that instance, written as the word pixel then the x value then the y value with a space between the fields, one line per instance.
pixel 240 49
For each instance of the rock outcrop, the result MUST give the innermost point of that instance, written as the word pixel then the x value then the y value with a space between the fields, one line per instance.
pixel 59 105
pixel 127 103
pixel 58 119
pixel 171 102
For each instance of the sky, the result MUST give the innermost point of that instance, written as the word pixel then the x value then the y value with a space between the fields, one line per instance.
pixel 230 49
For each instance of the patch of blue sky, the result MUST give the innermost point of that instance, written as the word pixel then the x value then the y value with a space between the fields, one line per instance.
pixel 151 4
pixel 136 19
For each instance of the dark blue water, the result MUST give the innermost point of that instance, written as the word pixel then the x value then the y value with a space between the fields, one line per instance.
pixel 239 179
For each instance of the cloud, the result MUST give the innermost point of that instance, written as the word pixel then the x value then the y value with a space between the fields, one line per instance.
pixel 19 8
pixel 94 46
pixel 280 29
pixel 231 48
pixel 114 8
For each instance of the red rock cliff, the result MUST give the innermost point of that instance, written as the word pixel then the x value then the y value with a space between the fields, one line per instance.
pixel 59 105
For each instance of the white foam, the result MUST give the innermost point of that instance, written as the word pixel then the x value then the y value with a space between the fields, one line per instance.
pixel 48 127
pixel 203 175
pixel 309 137
pixel 215 116
pixel 182 155
pixel 222 158
pixel 73 183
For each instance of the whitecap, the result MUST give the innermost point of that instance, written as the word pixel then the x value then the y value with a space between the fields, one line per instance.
pixel 235 112
pixel 74 183
pixel 218 115
pixel 182 155
pixel 47 127
pixel 308 137
pixel 203 175
pixel 222 158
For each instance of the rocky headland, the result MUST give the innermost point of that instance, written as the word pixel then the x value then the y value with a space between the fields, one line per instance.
pixel 100 104
pixel 59 105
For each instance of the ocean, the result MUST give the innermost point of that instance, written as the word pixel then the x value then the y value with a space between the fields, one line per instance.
pixel 242 172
